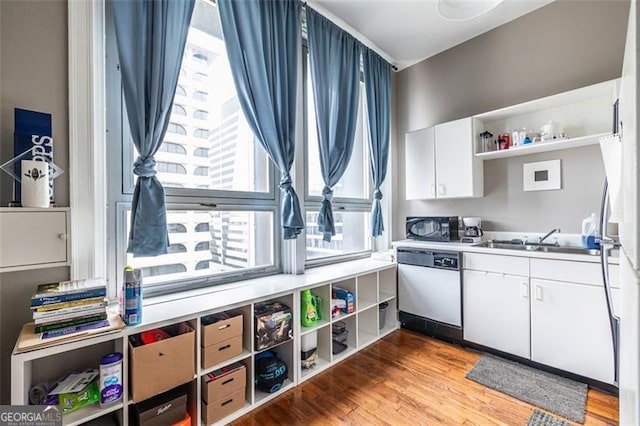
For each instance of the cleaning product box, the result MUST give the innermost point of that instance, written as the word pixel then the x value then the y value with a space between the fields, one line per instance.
pixel 349 304
pixel 273 324
pixel 161 359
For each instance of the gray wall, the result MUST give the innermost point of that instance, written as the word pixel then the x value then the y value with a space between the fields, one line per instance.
pixel 559 47
pixel 33 75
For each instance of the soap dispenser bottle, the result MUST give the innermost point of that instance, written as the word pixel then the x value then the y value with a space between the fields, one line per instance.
pixel 590 233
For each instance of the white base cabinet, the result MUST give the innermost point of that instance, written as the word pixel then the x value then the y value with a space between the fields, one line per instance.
pixel 496 311
pixel 372 282
pixel 570 329
pixel 555 315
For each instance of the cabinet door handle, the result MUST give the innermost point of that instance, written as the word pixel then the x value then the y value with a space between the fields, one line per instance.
pixel 62 236
pixel 538 292
pixel 433 189
pixel 525 289
pixel 441 189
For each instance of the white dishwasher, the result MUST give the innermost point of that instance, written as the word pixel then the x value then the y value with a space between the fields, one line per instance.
pixel 430 292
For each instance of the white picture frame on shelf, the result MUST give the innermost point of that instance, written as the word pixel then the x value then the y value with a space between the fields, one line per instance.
pixel 541 176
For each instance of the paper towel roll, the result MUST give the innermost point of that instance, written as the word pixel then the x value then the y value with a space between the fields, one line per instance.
pixel 35 183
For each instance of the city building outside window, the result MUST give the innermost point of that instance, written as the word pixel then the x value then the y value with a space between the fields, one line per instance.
pixel 221 192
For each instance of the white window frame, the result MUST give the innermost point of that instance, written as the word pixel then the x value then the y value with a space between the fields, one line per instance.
pixel 339 204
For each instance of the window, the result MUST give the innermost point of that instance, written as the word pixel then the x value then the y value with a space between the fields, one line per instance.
pixel 202 246
pixel 201 96
pixel 220 188
pixel 201 133
pixel 201 114
pixel 201 152
pixel 177 248
pixel 200 57
pixel 201 171
pixel 203 264
pixel 163 167
pixel 152 271
pixel 173 148
pixel 200 76
pixel 176 228
pixel 176 128
pixel 351 195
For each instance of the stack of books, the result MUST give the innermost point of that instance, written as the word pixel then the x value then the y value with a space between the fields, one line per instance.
pixel 69 307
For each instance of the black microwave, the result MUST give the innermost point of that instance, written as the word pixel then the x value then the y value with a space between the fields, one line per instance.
pixel 432 228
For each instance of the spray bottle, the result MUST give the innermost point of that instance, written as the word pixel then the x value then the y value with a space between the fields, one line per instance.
pixel 131 307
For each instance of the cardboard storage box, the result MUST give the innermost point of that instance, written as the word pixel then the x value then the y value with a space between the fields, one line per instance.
pixel 224 381
pixel 216 410
pixel 157 367
pixel 162 410
pixel 220 352
pixel 273 324
pixel 220 327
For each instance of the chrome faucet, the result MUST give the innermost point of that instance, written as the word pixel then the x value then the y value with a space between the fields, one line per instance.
pixel 548 235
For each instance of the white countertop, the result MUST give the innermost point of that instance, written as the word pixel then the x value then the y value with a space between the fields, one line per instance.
pixel 470 248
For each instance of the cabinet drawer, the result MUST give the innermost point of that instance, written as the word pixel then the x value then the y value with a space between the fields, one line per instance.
pixel 32 238
pixel 511 265
pixel 570 271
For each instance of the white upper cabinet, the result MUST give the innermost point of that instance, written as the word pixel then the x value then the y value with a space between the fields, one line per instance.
pixel 440 162
pixel 420 169
pixel 33 238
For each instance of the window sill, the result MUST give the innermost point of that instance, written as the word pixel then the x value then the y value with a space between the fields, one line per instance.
pixel 184 305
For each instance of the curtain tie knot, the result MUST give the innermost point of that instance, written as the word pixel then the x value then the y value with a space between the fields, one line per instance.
pixel 327 193
pixel 285 182
pixel 145 167
pixel 377 194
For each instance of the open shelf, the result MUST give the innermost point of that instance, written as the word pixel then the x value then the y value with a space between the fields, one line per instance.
pixel 344 354
pixel 538 147
pixel 321 364
pixel 319 324
pixel 385 297
pixel 89 412
pixel 366 304
pixel 262 397
pixel 341 316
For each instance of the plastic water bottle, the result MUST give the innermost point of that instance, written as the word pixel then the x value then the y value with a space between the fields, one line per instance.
pixel 131 308
pixel 590 233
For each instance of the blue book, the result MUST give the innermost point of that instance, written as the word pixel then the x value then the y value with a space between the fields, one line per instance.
pixel 74 329
pixel 68 291
pixel 32 130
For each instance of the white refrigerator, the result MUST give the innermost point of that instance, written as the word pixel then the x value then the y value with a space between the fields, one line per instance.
pixel 627 215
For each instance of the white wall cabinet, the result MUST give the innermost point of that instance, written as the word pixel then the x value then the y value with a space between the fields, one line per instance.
pixel 33 238
pixel 555 315
pixel 372 282
pixel 440 162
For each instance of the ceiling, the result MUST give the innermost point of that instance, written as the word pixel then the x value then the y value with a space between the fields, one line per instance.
pixel 408 31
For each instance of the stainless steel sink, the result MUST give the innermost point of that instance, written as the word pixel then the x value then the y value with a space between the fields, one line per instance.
pixel 549 248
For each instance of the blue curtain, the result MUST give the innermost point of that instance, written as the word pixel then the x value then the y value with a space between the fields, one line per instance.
pixel 263 45
pixel 334 56
pixel 377 78
pixel 151 37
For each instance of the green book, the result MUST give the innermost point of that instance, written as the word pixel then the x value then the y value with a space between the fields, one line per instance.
pixel 70 323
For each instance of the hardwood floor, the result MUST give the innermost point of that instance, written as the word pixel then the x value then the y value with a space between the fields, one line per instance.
pixel 407 379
